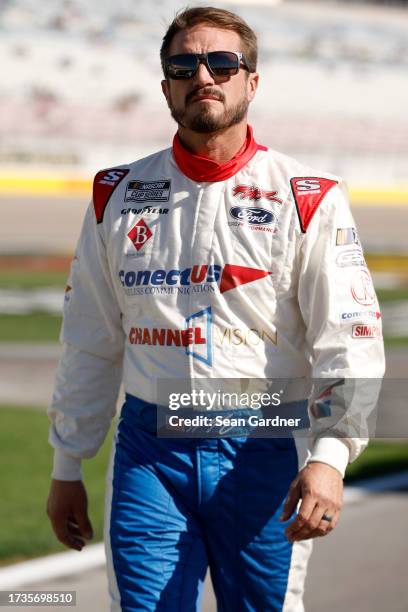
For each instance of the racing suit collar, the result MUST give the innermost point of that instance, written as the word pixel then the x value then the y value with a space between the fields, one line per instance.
pixel 202 169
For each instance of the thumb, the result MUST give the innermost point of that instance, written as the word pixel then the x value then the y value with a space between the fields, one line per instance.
pixel 291 501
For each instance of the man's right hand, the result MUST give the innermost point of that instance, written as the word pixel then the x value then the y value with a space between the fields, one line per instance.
pixel 67 508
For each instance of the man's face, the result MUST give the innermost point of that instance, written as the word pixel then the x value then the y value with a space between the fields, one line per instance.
pixel 207 103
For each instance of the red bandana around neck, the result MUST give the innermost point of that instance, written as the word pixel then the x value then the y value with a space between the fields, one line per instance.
pixel 202 169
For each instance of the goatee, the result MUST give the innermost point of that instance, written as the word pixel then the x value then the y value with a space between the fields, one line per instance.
pixel 205 122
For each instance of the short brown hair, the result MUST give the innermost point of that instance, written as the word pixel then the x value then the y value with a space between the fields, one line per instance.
pixel 216 18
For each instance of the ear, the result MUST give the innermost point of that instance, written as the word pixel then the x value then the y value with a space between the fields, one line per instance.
pixel 252 85
pixel 165 89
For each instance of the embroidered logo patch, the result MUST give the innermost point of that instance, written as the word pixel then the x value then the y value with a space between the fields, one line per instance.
pixel 140 234
pixel 148 191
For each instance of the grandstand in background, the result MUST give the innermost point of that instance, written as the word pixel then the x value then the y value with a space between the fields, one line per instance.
pixel 333 83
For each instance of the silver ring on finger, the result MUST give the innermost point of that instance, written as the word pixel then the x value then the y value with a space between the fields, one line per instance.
pixel 327 517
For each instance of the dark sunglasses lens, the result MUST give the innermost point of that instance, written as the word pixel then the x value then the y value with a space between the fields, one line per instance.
pixel 181 66
pixel 223 63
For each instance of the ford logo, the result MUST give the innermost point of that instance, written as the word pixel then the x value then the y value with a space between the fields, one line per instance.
pixel 252 215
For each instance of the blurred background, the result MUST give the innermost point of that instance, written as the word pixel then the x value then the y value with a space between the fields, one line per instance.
pixel 80 90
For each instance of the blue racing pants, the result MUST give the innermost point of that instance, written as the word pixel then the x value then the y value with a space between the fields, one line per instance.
pixel 179 506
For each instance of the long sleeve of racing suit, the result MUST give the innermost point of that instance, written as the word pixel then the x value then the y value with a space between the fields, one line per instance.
pixel 89 373
pixel 347 368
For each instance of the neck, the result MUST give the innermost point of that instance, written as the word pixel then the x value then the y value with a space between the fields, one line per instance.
pixel 220 146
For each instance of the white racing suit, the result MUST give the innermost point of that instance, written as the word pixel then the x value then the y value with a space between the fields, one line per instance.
pixel 185 269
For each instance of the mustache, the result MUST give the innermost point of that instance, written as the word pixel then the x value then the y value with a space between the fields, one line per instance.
pixel 205 91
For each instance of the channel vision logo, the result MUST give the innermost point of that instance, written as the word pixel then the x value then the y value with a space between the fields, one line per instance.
pixel 195 338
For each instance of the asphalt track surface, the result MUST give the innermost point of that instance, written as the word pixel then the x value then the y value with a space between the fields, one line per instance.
pixel 52 225
pixel 360 567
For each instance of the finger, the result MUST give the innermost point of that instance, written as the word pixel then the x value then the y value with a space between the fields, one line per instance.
pixel 315 533
pixel 73 530
pixel 80 516
pixel 67 539
pixel 335 520
pixel 291 502
pixel 321 532
pixel 84 525
pixel 315 521
pixel 61 526
pixel 322 529
pixel 305 511
pixel 328 526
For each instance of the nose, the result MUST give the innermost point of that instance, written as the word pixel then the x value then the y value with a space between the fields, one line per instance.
pixel 203 76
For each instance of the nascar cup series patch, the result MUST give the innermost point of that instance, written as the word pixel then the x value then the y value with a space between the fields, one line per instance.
pixel 148 191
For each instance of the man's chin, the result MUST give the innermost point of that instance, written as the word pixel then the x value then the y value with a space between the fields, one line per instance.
pixel 204 128
pixel 208 120
pixel 204 122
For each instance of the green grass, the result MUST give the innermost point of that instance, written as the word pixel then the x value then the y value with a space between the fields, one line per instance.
pixel 33 279
pixel 379 459
pixel 26 460
pixel 25 476
pixel 392 295
pixel 34 327
pixel 396 342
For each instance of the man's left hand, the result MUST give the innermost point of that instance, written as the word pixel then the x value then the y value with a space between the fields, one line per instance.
pixel 320 487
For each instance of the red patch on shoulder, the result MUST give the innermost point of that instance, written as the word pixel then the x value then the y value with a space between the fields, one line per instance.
pixel 105 183
pixel 308 192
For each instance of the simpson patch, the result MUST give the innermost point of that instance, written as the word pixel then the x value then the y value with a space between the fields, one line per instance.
pixel 308 192
pixel 105 183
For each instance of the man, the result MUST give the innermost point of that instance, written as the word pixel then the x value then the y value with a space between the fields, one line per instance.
pixel 181 254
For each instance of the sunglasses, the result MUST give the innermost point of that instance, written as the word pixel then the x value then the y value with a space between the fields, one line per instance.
pixel 218 63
